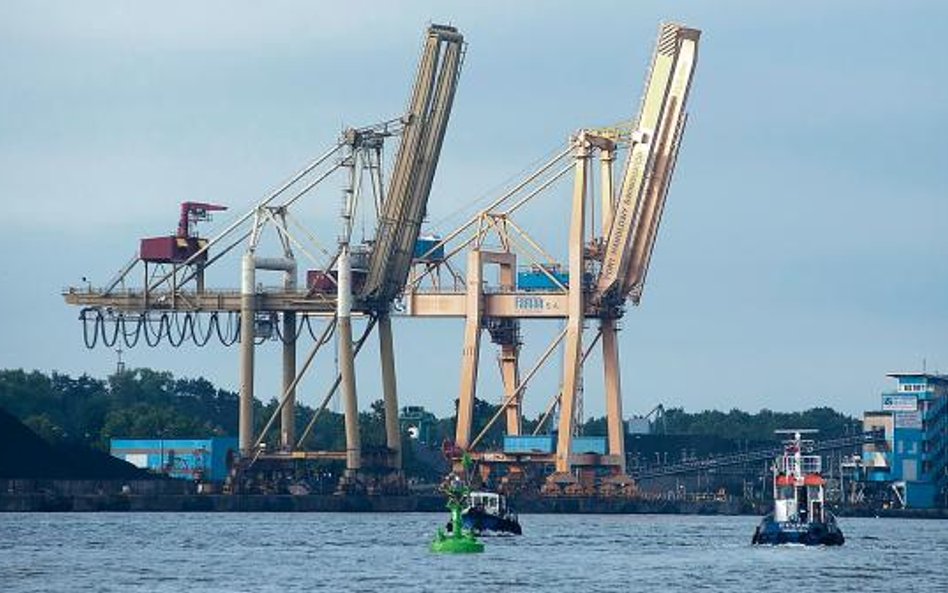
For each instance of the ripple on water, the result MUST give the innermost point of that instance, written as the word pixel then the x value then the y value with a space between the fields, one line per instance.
pixel 389 553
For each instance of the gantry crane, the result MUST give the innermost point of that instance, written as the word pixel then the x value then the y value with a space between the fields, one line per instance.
pixel 357 280
pixel 362 281
pixel 604 272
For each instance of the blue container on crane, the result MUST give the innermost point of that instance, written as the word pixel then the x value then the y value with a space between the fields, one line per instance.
pixel 537 278
pixel 427 249
pixel 536 443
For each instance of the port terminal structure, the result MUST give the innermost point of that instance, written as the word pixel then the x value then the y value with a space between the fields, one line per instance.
pixel 399 271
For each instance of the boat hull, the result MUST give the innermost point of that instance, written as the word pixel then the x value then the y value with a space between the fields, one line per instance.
pixel 479 521
pixel 809 534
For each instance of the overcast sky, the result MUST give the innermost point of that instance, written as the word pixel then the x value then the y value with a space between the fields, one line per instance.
pixel 802 253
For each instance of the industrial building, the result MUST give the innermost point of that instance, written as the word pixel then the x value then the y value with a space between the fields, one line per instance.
pixel 913 464
pixel 201 460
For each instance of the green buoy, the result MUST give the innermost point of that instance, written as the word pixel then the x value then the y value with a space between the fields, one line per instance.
pixel 459 541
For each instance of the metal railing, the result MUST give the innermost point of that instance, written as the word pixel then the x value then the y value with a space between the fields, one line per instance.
pixel 720 461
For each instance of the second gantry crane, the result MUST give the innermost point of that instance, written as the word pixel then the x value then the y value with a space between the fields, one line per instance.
pixel 603 273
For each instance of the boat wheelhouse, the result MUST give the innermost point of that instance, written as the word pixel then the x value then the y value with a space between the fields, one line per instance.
pixel 488 511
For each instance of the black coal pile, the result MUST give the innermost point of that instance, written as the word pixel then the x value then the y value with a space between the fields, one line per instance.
pixel 25 455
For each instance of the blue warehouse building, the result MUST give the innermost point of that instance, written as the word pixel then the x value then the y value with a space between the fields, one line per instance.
pixel 192 459
pixel 914 462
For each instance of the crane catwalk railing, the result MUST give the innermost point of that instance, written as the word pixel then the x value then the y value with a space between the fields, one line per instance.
pixel 767 454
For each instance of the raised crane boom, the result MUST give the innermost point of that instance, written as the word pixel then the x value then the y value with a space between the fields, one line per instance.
pixel 650 163
pixel 404 208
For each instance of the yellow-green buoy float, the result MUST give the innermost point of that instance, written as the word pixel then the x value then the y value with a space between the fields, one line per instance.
pixel 459 540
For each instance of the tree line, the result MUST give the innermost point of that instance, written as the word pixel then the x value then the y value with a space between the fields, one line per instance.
pixel 145 403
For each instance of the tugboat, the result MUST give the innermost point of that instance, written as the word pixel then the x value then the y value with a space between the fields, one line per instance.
pixel 488 511
pixel 800 515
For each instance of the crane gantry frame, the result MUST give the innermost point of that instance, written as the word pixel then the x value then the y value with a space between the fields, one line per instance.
pixel 381 271
pixel 605 272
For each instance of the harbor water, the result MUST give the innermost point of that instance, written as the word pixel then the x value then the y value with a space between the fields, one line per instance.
pixel 270 552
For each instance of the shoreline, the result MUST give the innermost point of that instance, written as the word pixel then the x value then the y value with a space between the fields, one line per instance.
pixel 284 503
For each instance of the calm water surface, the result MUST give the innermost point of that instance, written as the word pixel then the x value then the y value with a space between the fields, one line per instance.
pixel 264 553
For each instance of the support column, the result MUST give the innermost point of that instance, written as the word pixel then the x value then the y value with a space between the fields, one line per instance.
pixel 613 385
pixel 247 308
pixel 347 365
pixel 573 350
pixel 510 371
pixel 510 354
pixel 199 277
pixel 393 436
pixel 288 414
pixel 471 351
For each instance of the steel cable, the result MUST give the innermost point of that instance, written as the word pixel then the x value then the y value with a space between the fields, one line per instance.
pixel 138 331
pixel 102 322
pixel 279 333
pixel 309 328
pixel 85 330
pixel 232 334
pixel 171 326
pixel 149 331
pixel 168 319
pixel 197 331
pixel 297 331
pixel 182 323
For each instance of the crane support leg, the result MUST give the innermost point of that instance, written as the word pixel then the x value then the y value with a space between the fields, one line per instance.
pixel 347 366
pixel 288 413
pixel 510 352
pixel 510 369
pixel 471 351
pixel 247 306
pixel 613 385
pixel 573 351
pixel 393 438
